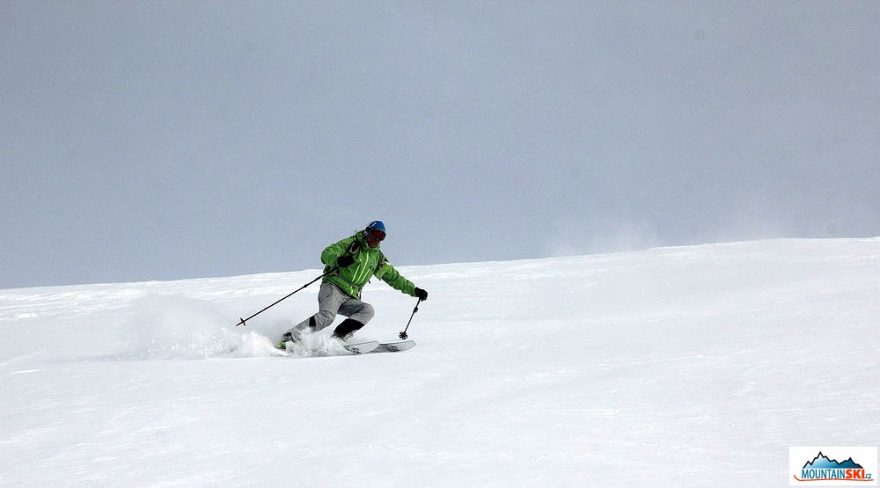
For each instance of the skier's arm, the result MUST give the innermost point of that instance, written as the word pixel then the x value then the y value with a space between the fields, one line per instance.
pixel 393 277
pixel 333 251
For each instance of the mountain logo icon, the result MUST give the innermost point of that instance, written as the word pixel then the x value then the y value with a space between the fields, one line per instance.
pixel 822 461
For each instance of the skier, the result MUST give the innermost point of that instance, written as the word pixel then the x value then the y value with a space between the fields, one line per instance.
pixel 351 263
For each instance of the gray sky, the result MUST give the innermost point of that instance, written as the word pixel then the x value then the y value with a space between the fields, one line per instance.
pixel 164 140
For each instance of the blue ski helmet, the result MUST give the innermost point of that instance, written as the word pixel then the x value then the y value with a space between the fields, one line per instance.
pixel 376 225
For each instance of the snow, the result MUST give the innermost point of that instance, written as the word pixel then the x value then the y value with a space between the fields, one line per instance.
pixel 687 366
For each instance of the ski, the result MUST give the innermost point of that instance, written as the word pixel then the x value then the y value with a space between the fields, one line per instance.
pixel 395 346
pixel 373 346
pixel 362 348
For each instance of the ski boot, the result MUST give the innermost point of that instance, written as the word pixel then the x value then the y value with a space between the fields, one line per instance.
pixel 294 335
pixel 345 331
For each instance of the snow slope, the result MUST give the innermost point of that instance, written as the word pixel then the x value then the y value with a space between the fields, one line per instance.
pixel 689 366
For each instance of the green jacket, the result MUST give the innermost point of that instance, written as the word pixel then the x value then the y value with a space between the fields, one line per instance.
pixel 367 263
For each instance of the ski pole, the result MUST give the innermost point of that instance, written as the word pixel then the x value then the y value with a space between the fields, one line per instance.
pixel 403 334
pixel 243 321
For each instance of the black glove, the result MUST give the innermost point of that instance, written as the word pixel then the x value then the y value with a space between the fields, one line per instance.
pixel 422 294
pixel 344 260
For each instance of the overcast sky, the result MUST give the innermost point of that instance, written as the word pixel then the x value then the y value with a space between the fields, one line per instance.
pixel 163 140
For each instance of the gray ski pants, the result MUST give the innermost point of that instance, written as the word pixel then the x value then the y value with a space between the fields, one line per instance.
pixel 331 300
